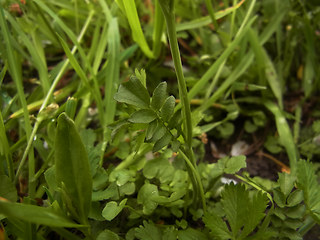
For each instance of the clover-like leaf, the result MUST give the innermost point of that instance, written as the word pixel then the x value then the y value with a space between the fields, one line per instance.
pixel 112 209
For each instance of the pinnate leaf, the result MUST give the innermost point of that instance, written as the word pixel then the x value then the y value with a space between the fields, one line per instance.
pixel 167 109
pixel 133 93
pixel 143 116
pixel 159 96
pixel 162 142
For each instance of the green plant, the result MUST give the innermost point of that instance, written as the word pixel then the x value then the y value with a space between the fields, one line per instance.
pixel 100 139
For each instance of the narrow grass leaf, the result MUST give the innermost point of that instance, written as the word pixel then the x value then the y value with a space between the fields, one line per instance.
pixel 143 116
pixel 286 138
pixel 158 28
pixel 204 21
pixel 273 79
pixel 7 188
pixel 134 93
pixel 35 214
pixel 72 166
pixel 113 69
pixel 134 22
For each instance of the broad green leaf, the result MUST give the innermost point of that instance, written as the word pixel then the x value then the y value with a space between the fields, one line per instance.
pixel 295 198
pixel 121 176
pixel 159 168
pixel 144 197
pixel 162 142
pixel 148 232
pixel 230 165
pixel 151 129
pixel 35 214
pixel 72 166
pixel 307 181
pixel 159 96
pixel 286 182
pixel 143 116
pixel 167 109
pixel 133 93
pixel 234 200
pixel 7 189
pixel 217 226
pixel 190 234
pixel 256 208
pixel 112 209
pixel 159 132
pixel 107 235
pixel 243 212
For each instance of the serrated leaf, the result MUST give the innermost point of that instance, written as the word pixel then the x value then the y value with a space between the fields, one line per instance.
pixel 234 198
pixel 72 166
pixel 242 212
pixel 143 116
pixel 307 181
pixel 190 234
pixel 148 232
pixel 159 96
pixel 112 209
pixel 167 109
pixel 255 212
pixel 36 214
pixel 133 93
pixel 217 226
pixel 162 142
pixel 144 197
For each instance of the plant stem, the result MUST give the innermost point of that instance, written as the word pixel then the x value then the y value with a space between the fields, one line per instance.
pixel 170 21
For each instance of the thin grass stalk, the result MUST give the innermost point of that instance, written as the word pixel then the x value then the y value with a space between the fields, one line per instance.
pixel 47 99
pixel 15 71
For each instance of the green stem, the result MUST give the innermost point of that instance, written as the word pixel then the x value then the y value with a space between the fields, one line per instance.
pixel 196 174
pixel 170 21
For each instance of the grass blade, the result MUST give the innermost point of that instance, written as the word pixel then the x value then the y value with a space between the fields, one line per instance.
pixel 285 135
pixel 71 159
pixel 134 22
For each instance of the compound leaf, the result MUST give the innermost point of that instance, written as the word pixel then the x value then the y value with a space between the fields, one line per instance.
pixel 133 93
